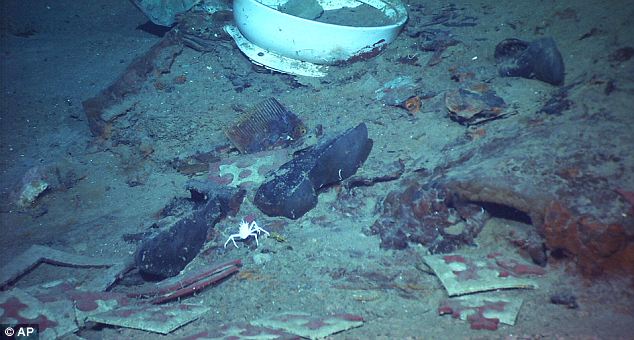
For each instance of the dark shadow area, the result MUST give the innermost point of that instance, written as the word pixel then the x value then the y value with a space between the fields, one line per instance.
pixel 505 212
pixel 154 29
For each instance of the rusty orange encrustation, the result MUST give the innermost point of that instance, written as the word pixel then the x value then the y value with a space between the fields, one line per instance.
pixel 412 104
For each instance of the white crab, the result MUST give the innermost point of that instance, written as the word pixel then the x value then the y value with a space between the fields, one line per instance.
pixel 245 230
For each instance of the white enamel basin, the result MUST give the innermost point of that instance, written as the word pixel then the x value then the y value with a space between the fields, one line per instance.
pixel 311 41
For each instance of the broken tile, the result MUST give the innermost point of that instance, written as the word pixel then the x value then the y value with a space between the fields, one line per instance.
pixel 481 311
pixel 243 331
pixel 309 326
pixel 37 254
pixel 462 274
pixel 55 319
pixel 247 171
pixel 85 303
pixel 159 319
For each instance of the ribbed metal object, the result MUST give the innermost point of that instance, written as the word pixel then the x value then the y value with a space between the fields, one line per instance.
pixel 269 125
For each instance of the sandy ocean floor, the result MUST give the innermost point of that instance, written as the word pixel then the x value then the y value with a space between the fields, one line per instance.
pixel 56 54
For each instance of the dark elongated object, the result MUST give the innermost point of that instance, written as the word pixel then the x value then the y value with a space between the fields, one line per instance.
pixel 539 59
pixel 294 187
pixel 168 252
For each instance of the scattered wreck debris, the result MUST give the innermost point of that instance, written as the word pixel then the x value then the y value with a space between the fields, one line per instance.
pixel 62 307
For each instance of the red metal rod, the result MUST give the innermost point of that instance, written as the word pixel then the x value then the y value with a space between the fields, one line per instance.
pixel 165 288
pixel 200 285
